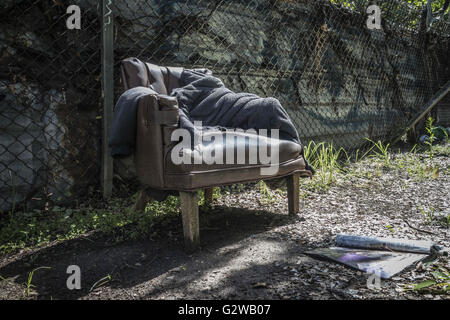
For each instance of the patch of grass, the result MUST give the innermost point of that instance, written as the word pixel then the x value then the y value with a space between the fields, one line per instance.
pixel 390 228
pixel 101 282
pixel 405 160
pixel 431 137
pixel 380 151
pixel 264 190
pixel 335 166
pixel 326 160
pixel 442 149
pixel 217 192
pixel 432 216
pixel 416 166
pixel 37 228
pixel 26 285
pixel 421 171
pixel 428 215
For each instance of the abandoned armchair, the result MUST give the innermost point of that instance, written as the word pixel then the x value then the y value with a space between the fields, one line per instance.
pixel 188 132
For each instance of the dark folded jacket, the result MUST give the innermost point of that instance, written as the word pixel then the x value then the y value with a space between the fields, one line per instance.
pixel 123 131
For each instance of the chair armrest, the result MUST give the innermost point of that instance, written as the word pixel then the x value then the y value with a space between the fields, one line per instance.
pixel 160 109
pixel 167 102
pixel 155 113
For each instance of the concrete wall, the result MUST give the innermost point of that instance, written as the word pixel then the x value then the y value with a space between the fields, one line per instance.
pixel 49 100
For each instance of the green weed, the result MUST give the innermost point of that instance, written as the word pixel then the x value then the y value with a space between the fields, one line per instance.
pixel 326 160
pixel 264 190
pixel 381 151
pixel 429 128
pixel 28 284
pixel 440 284
pixel 101 282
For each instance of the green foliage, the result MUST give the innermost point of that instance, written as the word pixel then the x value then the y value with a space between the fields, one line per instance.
pixel 419 4
pixel 434 217
pixel 36 228
pixel 438 285
pixel 406 12
pixel 28 284
pixel 332 163
pixel 428 215
pixel 436 4
pixel 101 282
pixel 264 190
pixel 326 160
pixel 429 128
pixel 381 151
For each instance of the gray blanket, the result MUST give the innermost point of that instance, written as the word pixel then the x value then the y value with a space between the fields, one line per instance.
pixel 123 130
pixel 203 97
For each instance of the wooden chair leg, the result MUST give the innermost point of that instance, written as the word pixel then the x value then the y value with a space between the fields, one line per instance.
pixel 293 193
pixel 141 201
pixel 189 212
pixel 209 195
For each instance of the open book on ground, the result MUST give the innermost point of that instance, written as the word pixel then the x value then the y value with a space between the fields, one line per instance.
pixel 382 256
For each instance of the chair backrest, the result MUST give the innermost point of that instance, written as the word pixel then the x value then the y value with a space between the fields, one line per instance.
pixel 136 73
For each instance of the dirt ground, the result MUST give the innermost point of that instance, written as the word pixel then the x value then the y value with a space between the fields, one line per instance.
pixel 251 248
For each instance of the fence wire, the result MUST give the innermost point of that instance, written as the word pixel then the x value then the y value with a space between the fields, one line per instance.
pixel 339 81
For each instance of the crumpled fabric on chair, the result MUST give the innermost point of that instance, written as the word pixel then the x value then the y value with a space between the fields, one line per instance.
pixel 205 98
pixel 123 129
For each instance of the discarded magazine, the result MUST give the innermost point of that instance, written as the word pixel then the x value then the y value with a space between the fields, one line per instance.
pixel 384 257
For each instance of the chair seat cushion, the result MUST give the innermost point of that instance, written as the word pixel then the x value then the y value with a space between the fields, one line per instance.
pixel 230 149
pixel 231 157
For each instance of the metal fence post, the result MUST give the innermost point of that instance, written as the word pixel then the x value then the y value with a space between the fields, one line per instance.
pixel 108 95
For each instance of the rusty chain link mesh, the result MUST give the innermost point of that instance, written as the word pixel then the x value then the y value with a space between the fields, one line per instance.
pixel 339 81
pixel 50 95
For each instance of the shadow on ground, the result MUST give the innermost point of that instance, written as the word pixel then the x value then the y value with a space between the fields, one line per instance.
pixel 138 269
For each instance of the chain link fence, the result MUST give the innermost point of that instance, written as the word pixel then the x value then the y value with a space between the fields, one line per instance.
pixel 339 81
